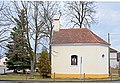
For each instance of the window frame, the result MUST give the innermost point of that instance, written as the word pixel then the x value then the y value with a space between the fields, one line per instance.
pixel 74 60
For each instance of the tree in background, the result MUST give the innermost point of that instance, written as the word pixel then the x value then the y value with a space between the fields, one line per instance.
pixel 8 13
pixel 18 58
pixel 4 30
pixel 80 13
pixel 49 9
pixel 39 17
pixel 44 64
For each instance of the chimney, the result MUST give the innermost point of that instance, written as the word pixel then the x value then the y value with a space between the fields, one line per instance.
pixel 56 24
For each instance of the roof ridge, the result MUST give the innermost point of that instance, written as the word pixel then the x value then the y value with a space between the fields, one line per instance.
pixel 72 28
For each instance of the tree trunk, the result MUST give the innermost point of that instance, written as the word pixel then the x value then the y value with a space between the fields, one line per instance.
pixel 23 71
pixel 50 53
pixel 32 69
pixel 15 71
pixel 50 49
pixel 29 47
pixel 36 28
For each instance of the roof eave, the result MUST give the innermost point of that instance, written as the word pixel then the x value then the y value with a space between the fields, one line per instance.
pixel 78 44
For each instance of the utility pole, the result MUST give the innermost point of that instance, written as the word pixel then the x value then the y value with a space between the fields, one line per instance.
pixel 109 54
pixel 81 68
pixel 108 37
pixel 119 68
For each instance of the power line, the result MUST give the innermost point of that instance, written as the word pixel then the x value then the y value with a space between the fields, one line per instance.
pixel 114 34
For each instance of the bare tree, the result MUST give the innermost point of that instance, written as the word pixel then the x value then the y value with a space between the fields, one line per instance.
pixel 49 10
pixel 26 8
pixel 36 25
pixel 33 23
pixel 39 22
pixel 3 27
pixel 1 6
pixel 80 13
pixel 33 28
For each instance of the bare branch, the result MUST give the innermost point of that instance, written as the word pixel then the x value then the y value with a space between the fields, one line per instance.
pixel 79 11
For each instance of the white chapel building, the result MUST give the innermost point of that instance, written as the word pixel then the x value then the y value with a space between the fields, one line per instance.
pixel 77 52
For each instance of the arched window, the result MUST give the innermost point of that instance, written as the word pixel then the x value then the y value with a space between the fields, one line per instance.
pixel 74 60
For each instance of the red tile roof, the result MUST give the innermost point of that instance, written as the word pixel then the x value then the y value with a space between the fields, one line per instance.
pixel 79 35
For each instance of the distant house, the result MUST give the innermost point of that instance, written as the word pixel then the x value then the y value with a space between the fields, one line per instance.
pixel 78 51
pixel 118 56
pixel 3 61
pixel 113 58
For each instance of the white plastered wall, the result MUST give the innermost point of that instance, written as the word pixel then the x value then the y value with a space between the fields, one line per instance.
pixel 92 60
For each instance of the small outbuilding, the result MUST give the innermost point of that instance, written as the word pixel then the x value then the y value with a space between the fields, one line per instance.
pixel 113 58
pixel 77 52
pixel 3 61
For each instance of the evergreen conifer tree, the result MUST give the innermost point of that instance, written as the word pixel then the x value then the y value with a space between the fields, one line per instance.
pixel 44 64
pixel 18 58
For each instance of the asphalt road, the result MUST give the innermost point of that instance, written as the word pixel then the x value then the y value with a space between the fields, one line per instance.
pixel 55 82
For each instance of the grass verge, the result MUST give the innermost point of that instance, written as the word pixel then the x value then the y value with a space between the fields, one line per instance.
pixel 37 77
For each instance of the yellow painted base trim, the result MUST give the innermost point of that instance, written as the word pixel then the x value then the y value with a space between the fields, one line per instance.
pixel 78 75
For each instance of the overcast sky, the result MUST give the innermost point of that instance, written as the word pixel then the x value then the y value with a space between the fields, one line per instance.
pixel 108 21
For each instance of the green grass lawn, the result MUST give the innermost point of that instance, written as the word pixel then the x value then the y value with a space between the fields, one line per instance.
pixel 36 76
pixel 114 70
pixel 13 76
